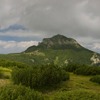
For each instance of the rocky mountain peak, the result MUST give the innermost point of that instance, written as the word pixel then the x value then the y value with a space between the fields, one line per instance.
pixel 59 40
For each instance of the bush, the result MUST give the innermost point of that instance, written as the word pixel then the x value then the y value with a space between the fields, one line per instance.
pixel 82 69
pixel 40 76
pixel 76 95
pixel 95 79
pixel 71 67
pixel 11 64
pixel 88 70
pixel 52 74
pixel 19 93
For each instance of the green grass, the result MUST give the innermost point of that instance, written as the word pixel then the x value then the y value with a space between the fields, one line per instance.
pixel 80 94
pixel 76 82
pixel 48 56
pixel 82 82
pixel 77 88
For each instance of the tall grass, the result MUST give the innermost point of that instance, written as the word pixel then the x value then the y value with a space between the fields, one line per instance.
pixel 76 95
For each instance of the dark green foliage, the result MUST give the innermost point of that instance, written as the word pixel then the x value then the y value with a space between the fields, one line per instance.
pixel 23 76
pixel 19 93
pixel 88 70
pixel 8 63
pixel 82 69
pixel 76 95
pixel 80 57
pixel 52 74
pixel 71 67
pixel 95 79
pixel 39 77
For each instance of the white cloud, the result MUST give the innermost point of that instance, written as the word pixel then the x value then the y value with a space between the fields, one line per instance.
pixel 14 46
pixel 26 44
pixel 21 33
pixel 96 46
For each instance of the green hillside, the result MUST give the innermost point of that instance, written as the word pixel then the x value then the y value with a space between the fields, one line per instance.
pixel 49 56
pixel 57 48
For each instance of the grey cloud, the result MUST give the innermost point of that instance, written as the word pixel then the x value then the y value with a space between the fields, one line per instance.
pixel 73 18
pixel 64 16
pixel 12 46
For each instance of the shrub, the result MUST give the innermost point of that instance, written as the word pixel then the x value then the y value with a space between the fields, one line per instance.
pixel 52 74
pixel 82 69
pixel 19 93
pixel 95 79
pixel 8 63
pixel 71 67
pixel 39 77
pixel 88 70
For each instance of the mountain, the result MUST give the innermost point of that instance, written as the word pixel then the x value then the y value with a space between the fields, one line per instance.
pixel 65 50
pixel 57 42
pixel 57 49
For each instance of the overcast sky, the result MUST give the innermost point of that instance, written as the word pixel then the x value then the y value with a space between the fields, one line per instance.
pixel 26 22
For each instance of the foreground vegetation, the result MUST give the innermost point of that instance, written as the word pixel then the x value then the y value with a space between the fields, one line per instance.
pixel 19 93
pixel 83 69
pixel 76 95
pixel 52 82
pixel 96 79
pixel 77 88
pixel 38 77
